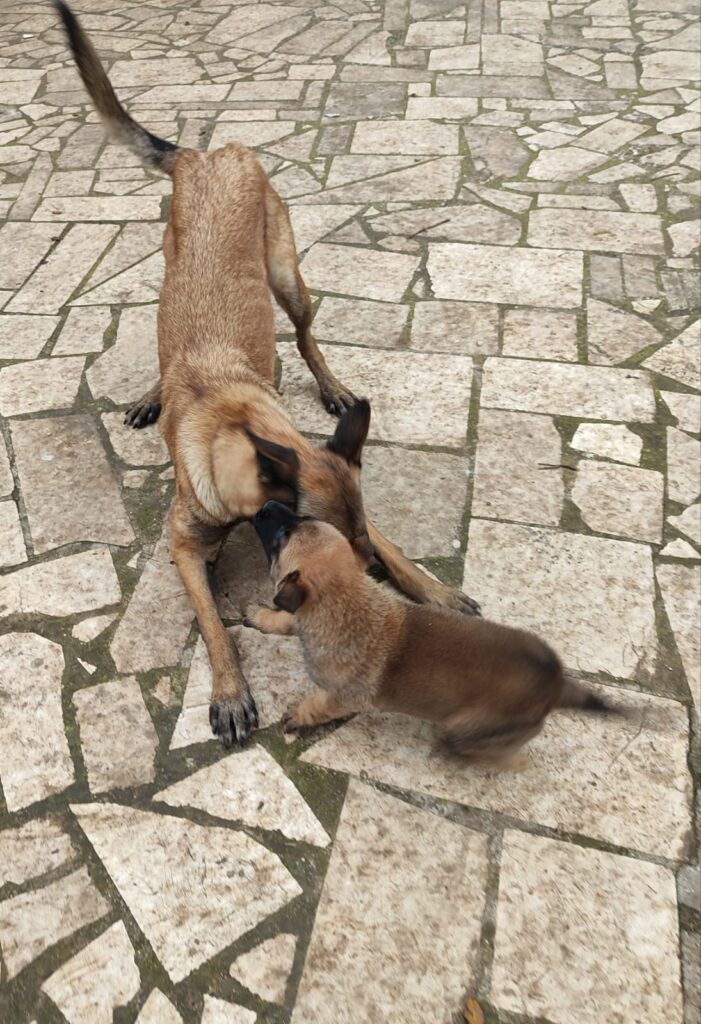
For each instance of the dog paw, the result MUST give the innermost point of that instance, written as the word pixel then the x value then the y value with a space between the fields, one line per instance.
pixel 337 399
pixel 289 723
pixel 142 414
pixel 449 597
pixel 232 719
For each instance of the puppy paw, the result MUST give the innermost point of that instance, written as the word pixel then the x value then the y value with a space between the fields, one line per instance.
pixel 337 399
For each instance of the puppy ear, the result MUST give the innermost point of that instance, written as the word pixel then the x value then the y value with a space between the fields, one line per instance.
pixel 277 463
pixel 291 592
pixel 351 432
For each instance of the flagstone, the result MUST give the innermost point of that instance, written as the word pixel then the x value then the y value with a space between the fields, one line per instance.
pixel 12 546
pixel 98 208
pixel 600 230
pixel 136 241
pixel 459 327
pixel 158 1009
pixel 88 629
pixel 247 19
pixel 265 970
pixel 135 447
pixel 613 335
pixel 681 593
pixel 608 441
pixel 621 500
pixel 359 321
pixel 140 283
pixel 33 849
pixel 125 370
pixel 22 247
pixel 250 133
pixel 43 384
pixel 24 336
pixel 680 359
pixel 220 1011
pixel 449 108
pixel 372 179
pixel 83 331
pixel 62 586
pixel 355 271
pixel 689 523
pixel 540 334
pixel 405 137
pixel 683 466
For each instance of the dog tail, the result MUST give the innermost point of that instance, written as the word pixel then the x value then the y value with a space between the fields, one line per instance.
pixel 121 127
pixel 573 695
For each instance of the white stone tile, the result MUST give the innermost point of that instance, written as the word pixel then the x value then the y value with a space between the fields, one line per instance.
pixel 474 222
pixel 614 917
pixel 33 921
pixel 64 504
pixel 613 336
pixel 463 328
pixel 63 586
pixel 250 133
pixel 369 179
pixel 42 384
pixel 34 757
pixel 608 441
pixel 681 592
pixel 454 58
pixel 24 336
pixel 22 246
pixel 517 474
pixel 449 108
pixel 69 183
pixel 435 33
pixel 158 1009
pixel 597 230
pixel 12 546
pixel 157 862
pixel 161 71
pixel 683 466
pixel 485 273
pixel 621 500
pixel 117 736
pixel 359 321
pixel 7 483
pixel 560 585
pixel 359 956
pixel 250 787
pixel 681 358
pixel 220 1011
pixel 87 629
pixel 135 447
pixel 540 334
pixel 33 849
pixel 592 392
pixel 310 223
pixel 83 331
pixel 689 523
pixel 402 387
pixel 89 986
pixel 266 969
pixel 355 271
pixel 136 241
pixel 99 208
pixel 130 366
pixel 405 137
pixel 619 780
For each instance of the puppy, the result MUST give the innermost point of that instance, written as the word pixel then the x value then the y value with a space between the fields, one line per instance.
pixel 488 687
pixel 227 244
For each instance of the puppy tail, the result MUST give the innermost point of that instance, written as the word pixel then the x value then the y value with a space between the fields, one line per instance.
pixel 122 128
pixel 573 695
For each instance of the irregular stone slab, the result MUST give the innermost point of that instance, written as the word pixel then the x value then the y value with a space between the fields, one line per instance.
pixel 474 223
pixel 33 849
pixel 597 230
pixel 459 327
pixel 614 336
pixel 12 546
pixel 247 19
pixel 606 778
pixel 540 334
pixel 218 1011
pixel 63 586
pixel 402 137
pixel 403 386
pixel 485 273
pixel 136 241
pixel 88 629
pixel 608 441
pixel 678 549
pixel 416 498
pixel 683 466
pixel 161 71
pixel 584 906
pixel 64 502
pixel 274 667
pixel 564 164
pixel 621 500
pixel 517 474
pixel 22 247
pixel 670 64
pixel 241 573
pixel 135 447
pixel 552 583
pixel 32 922
pixel 353 100
pixel 104 975
pixel 355 271
pixel 117 736
pixel 498 151
pixel 359 321
pixel 99 208
pixel 448 108
pixel 83 331
pixel 681 358
pixel 455 58
pixel 681 591
pixel 310 223
pixel 7 483
pixel 689 523
pixel 153 630
pixel 140 283
pixel 266 969
pixel 360 958
pixel 158 1009
pixel 373 179
pixel 124 371
pixel 43 384
pixel 34 757
pixel 157 862
pixel 58 276
pixel 250 787
pixel 24 336
pixel 591 392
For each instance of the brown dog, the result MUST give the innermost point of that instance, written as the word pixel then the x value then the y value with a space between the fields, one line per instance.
pixel 489 687
pixel 228 242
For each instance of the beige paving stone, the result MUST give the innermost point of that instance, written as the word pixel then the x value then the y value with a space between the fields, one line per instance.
pixel 98 208
pixel 135 242
pixel 247 19
pixel 417 179
pixel 63 586
pixel 678 549
pixel 681 592
pixel 19 85
pixel 64 503
pixel 621 500
pixel 83 331
pixel 458 327
pixel 88 629
pixel 608 441
pixel 158 1009
pixel 485 273
pixel 540 334
pixel 126 369
pixel 153 629
pixel 266 91
pixel 405 137
pixel 598 230
pixel 220 1011
pixel 683 466
pixel 454 58
pixel 140 283
pixel 266 969
pixel 681 358
pixel 552 583
pixel 250 787
pixel 161 71
pixel 402 386
pixel 250 133
pixel 34 757
pixel 359 322
pixel 449 108
pixel 360 959
pixel 33 849
pixel 435 33
pixel 44 384
pixel 99 978
pixel 34 921
pixel 474 223
pixel 611 135
pixel 69 183
pixel 135 447
pixel 517 474
pixel 157 861
pixel 613 336
pixel 670 64
pixel 23 336
pixel 689 523
pixel 564 164
pixel 7 483
pixel 355 271
pixel 241 573
pixel 311 223
pixel 12 546
pixel 117 736
pixel 61 272
pixel 174 95
pixel 584 906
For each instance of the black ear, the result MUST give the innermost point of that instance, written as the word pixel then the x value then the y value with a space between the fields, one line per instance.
pixel 277 463
pixel 291 592
pixel 351 432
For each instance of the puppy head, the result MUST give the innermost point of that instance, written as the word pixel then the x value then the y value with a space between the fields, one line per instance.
pixel 306 555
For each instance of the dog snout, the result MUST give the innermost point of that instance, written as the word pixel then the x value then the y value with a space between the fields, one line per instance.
pixel 271 523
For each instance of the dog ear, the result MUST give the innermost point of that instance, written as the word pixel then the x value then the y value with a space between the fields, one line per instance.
pixel 279 464
pixel 291 592
pixel 351 432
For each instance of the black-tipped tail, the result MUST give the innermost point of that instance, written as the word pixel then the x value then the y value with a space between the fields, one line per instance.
pixel 575 696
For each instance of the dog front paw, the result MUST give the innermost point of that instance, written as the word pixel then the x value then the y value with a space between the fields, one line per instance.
pixel 439 593
pixel 233 719
pixel 337 399
pixel 142 414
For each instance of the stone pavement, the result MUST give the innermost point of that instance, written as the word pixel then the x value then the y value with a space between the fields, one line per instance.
pixel 497 205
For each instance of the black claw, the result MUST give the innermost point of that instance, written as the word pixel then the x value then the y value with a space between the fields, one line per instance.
pixel 248 623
